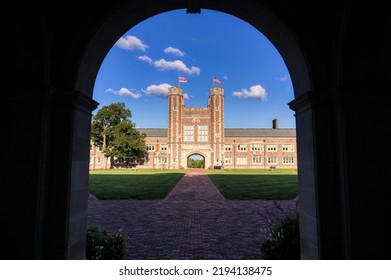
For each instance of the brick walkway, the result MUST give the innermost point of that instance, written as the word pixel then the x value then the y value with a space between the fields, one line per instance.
pixel 193 222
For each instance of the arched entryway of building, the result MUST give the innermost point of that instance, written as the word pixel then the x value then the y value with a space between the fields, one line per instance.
pixel 195 160
pixel 266 22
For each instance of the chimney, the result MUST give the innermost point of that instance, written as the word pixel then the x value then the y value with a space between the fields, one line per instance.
pixel 275 123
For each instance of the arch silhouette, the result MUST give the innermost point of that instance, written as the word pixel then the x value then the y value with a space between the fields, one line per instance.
pixel 341 104
pixel 259 17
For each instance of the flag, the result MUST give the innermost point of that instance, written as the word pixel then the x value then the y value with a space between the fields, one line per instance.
pixel 182 80
pixel 216 80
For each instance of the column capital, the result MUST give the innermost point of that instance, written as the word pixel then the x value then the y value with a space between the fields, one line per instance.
pixel 49 94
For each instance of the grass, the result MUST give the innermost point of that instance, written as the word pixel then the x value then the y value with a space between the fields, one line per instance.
pixel 127 184
pixel 279 184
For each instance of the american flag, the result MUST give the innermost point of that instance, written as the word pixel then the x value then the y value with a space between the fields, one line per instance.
pixel 216 80
pixel 182 80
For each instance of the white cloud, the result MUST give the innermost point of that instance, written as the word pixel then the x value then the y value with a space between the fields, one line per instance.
pixel 158 90
pixel 283 78
pixel 165 65
pixel 255 92
pixel 225 77
pixel 186 96
pixel 131 43
pixel 174 51
pixel 124 92
pixel 145 58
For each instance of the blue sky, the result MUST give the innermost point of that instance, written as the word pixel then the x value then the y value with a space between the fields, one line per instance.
pixel 152 56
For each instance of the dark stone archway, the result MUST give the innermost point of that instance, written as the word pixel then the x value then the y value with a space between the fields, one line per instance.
pixel 261 18
pixel 340 80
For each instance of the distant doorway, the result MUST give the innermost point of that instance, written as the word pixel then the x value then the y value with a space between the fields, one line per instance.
pixel 196 161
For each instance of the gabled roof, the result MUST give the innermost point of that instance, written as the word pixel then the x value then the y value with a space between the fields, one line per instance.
pixel 154 132
pixel 232 132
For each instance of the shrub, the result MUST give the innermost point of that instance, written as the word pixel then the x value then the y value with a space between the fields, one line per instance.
pixel 283 241
pixel 102 245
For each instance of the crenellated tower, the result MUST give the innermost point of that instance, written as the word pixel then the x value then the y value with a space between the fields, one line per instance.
pixel 175 108
pixel 216 105
pixel 195 130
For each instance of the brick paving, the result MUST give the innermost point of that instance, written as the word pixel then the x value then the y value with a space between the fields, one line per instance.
pixel 194 222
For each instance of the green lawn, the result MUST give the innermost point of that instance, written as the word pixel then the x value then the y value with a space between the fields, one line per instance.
pixel 156 184
pixel 279 184
pixel 139 184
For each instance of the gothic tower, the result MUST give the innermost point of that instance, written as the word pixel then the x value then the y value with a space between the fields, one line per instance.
pixel 175 108
pixel 216 104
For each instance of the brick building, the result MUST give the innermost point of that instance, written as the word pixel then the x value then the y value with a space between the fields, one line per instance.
pixel 200 131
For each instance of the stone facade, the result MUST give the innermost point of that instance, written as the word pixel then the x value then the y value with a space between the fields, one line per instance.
pixel 200 131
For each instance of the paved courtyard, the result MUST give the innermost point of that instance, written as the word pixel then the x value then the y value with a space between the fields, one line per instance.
pixel 194 222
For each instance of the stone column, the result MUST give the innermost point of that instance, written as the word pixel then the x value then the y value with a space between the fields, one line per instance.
pixel 65 200
pixel 49 133
pixel 323 205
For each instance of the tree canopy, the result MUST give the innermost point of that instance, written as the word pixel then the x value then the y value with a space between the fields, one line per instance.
pixel 113 130
pixel 104 121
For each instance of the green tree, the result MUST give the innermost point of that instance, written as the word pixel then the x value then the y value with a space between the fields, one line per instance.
pixel 195 163
pixel 200 163
pixel 104 121
pixel 112 129
pixel 128 143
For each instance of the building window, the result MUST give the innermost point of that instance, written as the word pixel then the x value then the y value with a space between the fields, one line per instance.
pixel 100 147
pixel 189 133
pixel 272 147
pixel 150 147
pixel 98 160
pixel 272 160
pixel 241 160
pixel 257 160
pixel 227 148
pixel 202 133
pixel 163 148
pixel 288 147
pixel 288 160
pixel 228 161
pixel 242 147
pixel 256 147
pixel 160 160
